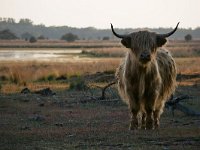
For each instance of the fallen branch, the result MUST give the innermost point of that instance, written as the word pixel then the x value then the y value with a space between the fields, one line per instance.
pixel 173 104
pixel 172 101
pixel 104 90
pixel 186 110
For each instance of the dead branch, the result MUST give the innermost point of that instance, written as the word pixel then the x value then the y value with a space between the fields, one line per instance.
pixel 186 110
pixel 173 104
pixel 174 100
pixel 104 90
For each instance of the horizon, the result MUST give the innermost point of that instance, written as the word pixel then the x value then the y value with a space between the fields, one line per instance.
pixel 42 24
pixel 99 14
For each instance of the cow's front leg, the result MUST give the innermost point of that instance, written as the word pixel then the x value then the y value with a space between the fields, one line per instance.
pixel 134 108
pixel 150 119
pixel 134 124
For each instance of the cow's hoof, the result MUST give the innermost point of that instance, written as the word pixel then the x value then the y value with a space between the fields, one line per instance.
pixel 150 126
pixel 133 126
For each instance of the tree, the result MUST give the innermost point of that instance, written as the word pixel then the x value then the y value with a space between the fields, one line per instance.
pixel 69 37
pixel 25 21
pixel 41 37
pixel 11 20
pixel 32 39
pixel 7 35
pixel 26 36
pixel 188 37
pixel 106 38
pixel 7 20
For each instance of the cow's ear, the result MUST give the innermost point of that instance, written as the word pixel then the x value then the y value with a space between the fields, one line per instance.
pixel 160 41
pixel 126 41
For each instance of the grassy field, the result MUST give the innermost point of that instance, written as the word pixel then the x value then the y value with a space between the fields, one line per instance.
pixel 75 119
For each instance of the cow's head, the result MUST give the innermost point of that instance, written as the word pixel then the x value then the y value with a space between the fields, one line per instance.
pixel 143 44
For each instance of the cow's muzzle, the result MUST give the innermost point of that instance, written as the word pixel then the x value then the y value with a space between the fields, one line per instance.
pixel 145 57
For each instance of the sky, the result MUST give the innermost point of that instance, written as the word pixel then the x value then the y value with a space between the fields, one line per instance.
pixel 100 13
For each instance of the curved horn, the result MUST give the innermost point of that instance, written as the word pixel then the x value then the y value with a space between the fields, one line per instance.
pixel 116 34
pixel 170 33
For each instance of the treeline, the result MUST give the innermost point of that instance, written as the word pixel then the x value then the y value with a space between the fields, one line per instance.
pixel 25 28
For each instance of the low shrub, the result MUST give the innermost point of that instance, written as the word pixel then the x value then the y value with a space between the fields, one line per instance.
pixel 77 83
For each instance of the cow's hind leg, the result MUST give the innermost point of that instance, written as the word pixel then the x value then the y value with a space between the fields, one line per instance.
pixel 157 113
pixel 144 117
pixel 156 116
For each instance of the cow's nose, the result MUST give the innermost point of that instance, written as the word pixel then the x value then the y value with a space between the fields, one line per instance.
pixel 145 56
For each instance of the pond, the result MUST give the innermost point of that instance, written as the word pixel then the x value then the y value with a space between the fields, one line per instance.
pixel 39 54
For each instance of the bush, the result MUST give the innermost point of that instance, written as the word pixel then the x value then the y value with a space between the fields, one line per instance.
pixel 78 84
pixel 48 78
pixel 41 37
pixel 26 36
pixel 7 35
pixel 188 37
pixel 3 78
pixel 32 39
pixel 62 77
pixel 106 38
pixel 51 77
pixel 69 37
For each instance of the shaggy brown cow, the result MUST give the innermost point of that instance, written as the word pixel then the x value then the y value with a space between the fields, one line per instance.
pixel 146 77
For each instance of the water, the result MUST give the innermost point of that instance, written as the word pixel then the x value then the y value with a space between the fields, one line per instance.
pixel 39 54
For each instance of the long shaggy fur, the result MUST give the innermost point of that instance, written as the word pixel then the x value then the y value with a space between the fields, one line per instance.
pixel 145 87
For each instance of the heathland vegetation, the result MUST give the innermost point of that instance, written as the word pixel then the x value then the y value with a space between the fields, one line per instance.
pixel 94 56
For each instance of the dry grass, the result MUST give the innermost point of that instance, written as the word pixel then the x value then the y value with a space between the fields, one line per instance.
pixel 58 43
pixel 16 75
pixel 30 71
pixel 26 74
pixel 188 65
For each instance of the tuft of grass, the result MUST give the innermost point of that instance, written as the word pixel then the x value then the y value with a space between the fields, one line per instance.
pixel 48 78
pixel 62 77
pixel 109 72
pixel 4 78
pixel 77 83
pixel 51 77
pixel 15 77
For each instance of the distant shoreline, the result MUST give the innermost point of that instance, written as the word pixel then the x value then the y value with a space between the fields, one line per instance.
pixel 79 44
